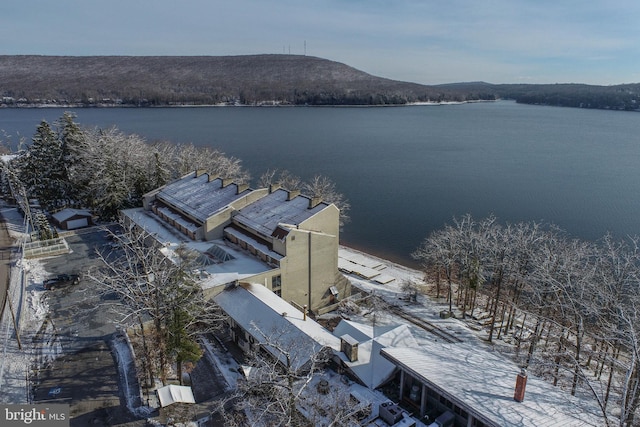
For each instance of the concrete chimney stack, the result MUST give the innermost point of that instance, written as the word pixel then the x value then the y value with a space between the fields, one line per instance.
pixel 521 385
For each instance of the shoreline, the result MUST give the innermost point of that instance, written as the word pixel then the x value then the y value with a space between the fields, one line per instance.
pixel 268 104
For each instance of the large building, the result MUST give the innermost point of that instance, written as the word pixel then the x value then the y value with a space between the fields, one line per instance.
pixel 281 239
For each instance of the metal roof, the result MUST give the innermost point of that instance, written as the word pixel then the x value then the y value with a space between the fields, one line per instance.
pixel 198 197
pixel 265 214
pixel 483 383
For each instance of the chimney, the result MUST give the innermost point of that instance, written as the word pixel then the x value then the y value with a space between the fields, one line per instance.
pixel 292 194
pixel 314 201
pixel 521 385
pixel 304 312
pixel 349 346
pixel 242 188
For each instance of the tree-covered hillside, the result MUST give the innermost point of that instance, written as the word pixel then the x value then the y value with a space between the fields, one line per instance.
pixel 619 97
pixel 201 80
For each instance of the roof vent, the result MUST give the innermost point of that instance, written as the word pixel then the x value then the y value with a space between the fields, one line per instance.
pixel 349 346
pixel 242 188
pixel 314 201
pixel 273 187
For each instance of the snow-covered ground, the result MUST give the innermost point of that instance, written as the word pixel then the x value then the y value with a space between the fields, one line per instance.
pixel 35 334
pixel 39 344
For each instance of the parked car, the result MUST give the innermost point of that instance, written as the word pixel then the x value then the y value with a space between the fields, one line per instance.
pixel 61 280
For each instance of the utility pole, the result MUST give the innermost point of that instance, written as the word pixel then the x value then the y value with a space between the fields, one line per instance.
pixel 13 317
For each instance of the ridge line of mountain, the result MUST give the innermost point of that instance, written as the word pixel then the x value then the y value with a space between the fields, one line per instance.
pixel 270 79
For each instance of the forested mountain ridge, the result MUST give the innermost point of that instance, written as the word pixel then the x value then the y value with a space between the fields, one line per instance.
pixel 31 80
pixel 616 97
pixel 202 80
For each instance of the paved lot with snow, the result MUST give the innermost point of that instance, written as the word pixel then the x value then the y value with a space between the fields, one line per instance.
pixel 84 373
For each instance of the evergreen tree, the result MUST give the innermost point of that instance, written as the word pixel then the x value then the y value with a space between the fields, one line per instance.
pixel 75 172
pixel 41 169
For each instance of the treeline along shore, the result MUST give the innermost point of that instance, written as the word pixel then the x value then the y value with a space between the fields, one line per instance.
pixel 146 81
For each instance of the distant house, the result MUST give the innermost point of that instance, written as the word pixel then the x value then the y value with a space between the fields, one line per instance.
pixel 71 219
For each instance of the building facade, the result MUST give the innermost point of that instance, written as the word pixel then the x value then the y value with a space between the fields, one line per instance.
pixel 295 236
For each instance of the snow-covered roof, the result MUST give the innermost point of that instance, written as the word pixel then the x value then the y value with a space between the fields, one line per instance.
pixel 262 314
pixel 240 267
pixel 265 214
pixel 371 368
pixel 364 266
pixel 483 383
pixel 198 197
pixel 67 213
pixel 175 394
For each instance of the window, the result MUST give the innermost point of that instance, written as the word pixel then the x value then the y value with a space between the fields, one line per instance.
pixel 276 282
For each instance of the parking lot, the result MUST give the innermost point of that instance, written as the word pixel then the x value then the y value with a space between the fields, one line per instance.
pixel 83 319
pixel 84 374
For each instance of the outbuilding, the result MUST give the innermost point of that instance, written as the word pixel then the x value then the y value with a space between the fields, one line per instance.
pixel 71 219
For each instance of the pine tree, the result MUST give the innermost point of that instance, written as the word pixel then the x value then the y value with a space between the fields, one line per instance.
pixel 40 167
pixel 75 169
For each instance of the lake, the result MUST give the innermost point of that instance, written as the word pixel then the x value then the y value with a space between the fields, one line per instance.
pixel 409 170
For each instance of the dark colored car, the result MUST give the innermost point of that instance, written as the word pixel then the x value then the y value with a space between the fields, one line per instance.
pixel 61 280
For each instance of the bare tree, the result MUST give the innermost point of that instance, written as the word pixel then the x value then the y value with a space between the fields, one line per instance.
pixel 277 376
pixel 322 187
pixel 440 249
pixel 158 294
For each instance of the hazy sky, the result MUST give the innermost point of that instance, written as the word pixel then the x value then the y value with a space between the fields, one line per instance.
pixel 424 41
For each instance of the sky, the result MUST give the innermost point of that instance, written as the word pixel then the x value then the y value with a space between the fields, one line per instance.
pixel 422 41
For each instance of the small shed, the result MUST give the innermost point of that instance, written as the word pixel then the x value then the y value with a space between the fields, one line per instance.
pixel 71 219
pixel 172 393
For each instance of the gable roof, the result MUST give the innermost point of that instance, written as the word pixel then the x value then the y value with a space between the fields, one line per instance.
pixel 267 317
pixel 484 384
pixel 67 213
pixel 371 368
pixel 265 214
pixel 199 197
pixel 172 393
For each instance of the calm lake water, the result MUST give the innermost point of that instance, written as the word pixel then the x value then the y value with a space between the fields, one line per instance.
pixel 409 170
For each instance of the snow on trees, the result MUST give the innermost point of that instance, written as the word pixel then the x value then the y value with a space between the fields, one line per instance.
pixel 574 304
pixel 105 169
